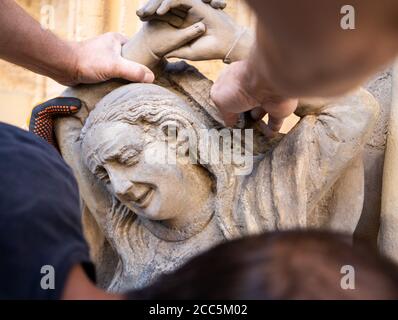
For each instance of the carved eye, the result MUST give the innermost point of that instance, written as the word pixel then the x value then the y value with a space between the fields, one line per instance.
pixel 129 157
pixel 102 174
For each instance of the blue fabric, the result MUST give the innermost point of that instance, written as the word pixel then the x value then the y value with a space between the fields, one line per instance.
pixel 40 219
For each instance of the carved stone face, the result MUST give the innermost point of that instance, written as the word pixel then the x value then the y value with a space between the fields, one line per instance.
pixel 152 189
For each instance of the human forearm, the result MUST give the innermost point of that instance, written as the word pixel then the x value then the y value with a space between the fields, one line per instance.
pixel 23 42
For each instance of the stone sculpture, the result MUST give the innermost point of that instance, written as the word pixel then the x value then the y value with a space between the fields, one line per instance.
pixel 143 219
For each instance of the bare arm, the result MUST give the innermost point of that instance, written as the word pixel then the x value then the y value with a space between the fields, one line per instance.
pixel 24 42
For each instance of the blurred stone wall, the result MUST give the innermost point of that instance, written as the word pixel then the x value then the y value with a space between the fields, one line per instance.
pixel 20 89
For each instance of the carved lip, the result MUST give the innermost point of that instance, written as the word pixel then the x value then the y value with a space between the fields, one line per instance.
pixel 145 199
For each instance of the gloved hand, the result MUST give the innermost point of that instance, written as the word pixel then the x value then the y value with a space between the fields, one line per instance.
pixel 41 122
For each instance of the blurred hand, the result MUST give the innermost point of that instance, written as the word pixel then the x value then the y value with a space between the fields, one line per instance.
pixel 221 31
pixel 99 59
pixel 232 94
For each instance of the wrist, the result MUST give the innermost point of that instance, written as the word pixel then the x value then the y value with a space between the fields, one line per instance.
pixel 69 73
pixel 241 47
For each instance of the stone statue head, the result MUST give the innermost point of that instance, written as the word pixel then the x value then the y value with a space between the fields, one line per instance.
pixel 126 139
pixel 125 144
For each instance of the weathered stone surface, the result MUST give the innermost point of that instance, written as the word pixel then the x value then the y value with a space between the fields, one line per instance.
pixel 380 86
pixel 314 169
pixel 388 234
pixel 144 217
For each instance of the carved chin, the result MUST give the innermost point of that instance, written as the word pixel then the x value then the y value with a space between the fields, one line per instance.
pixel 146 199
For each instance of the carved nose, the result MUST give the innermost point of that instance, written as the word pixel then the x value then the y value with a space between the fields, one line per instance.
pixel 122 188
pixel 139 190
pixel 130 191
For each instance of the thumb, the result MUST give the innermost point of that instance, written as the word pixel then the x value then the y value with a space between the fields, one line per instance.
pixel 183 36
pixel 133 71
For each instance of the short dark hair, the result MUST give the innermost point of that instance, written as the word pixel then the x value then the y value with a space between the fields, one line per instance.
pixel 280 265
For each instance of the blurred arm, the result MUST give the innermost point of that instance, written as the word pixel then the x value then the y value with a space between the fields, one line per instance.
pixel 303 51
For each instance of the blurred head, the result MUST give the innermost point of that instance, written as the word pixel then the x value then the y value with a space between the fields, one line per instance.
pixel 281 265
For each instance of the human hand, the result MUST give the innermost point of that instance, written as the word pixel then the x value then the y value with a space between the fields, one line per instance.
pixel 223 36
pixel 156 39
pixel 99 59
pixel 234 93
